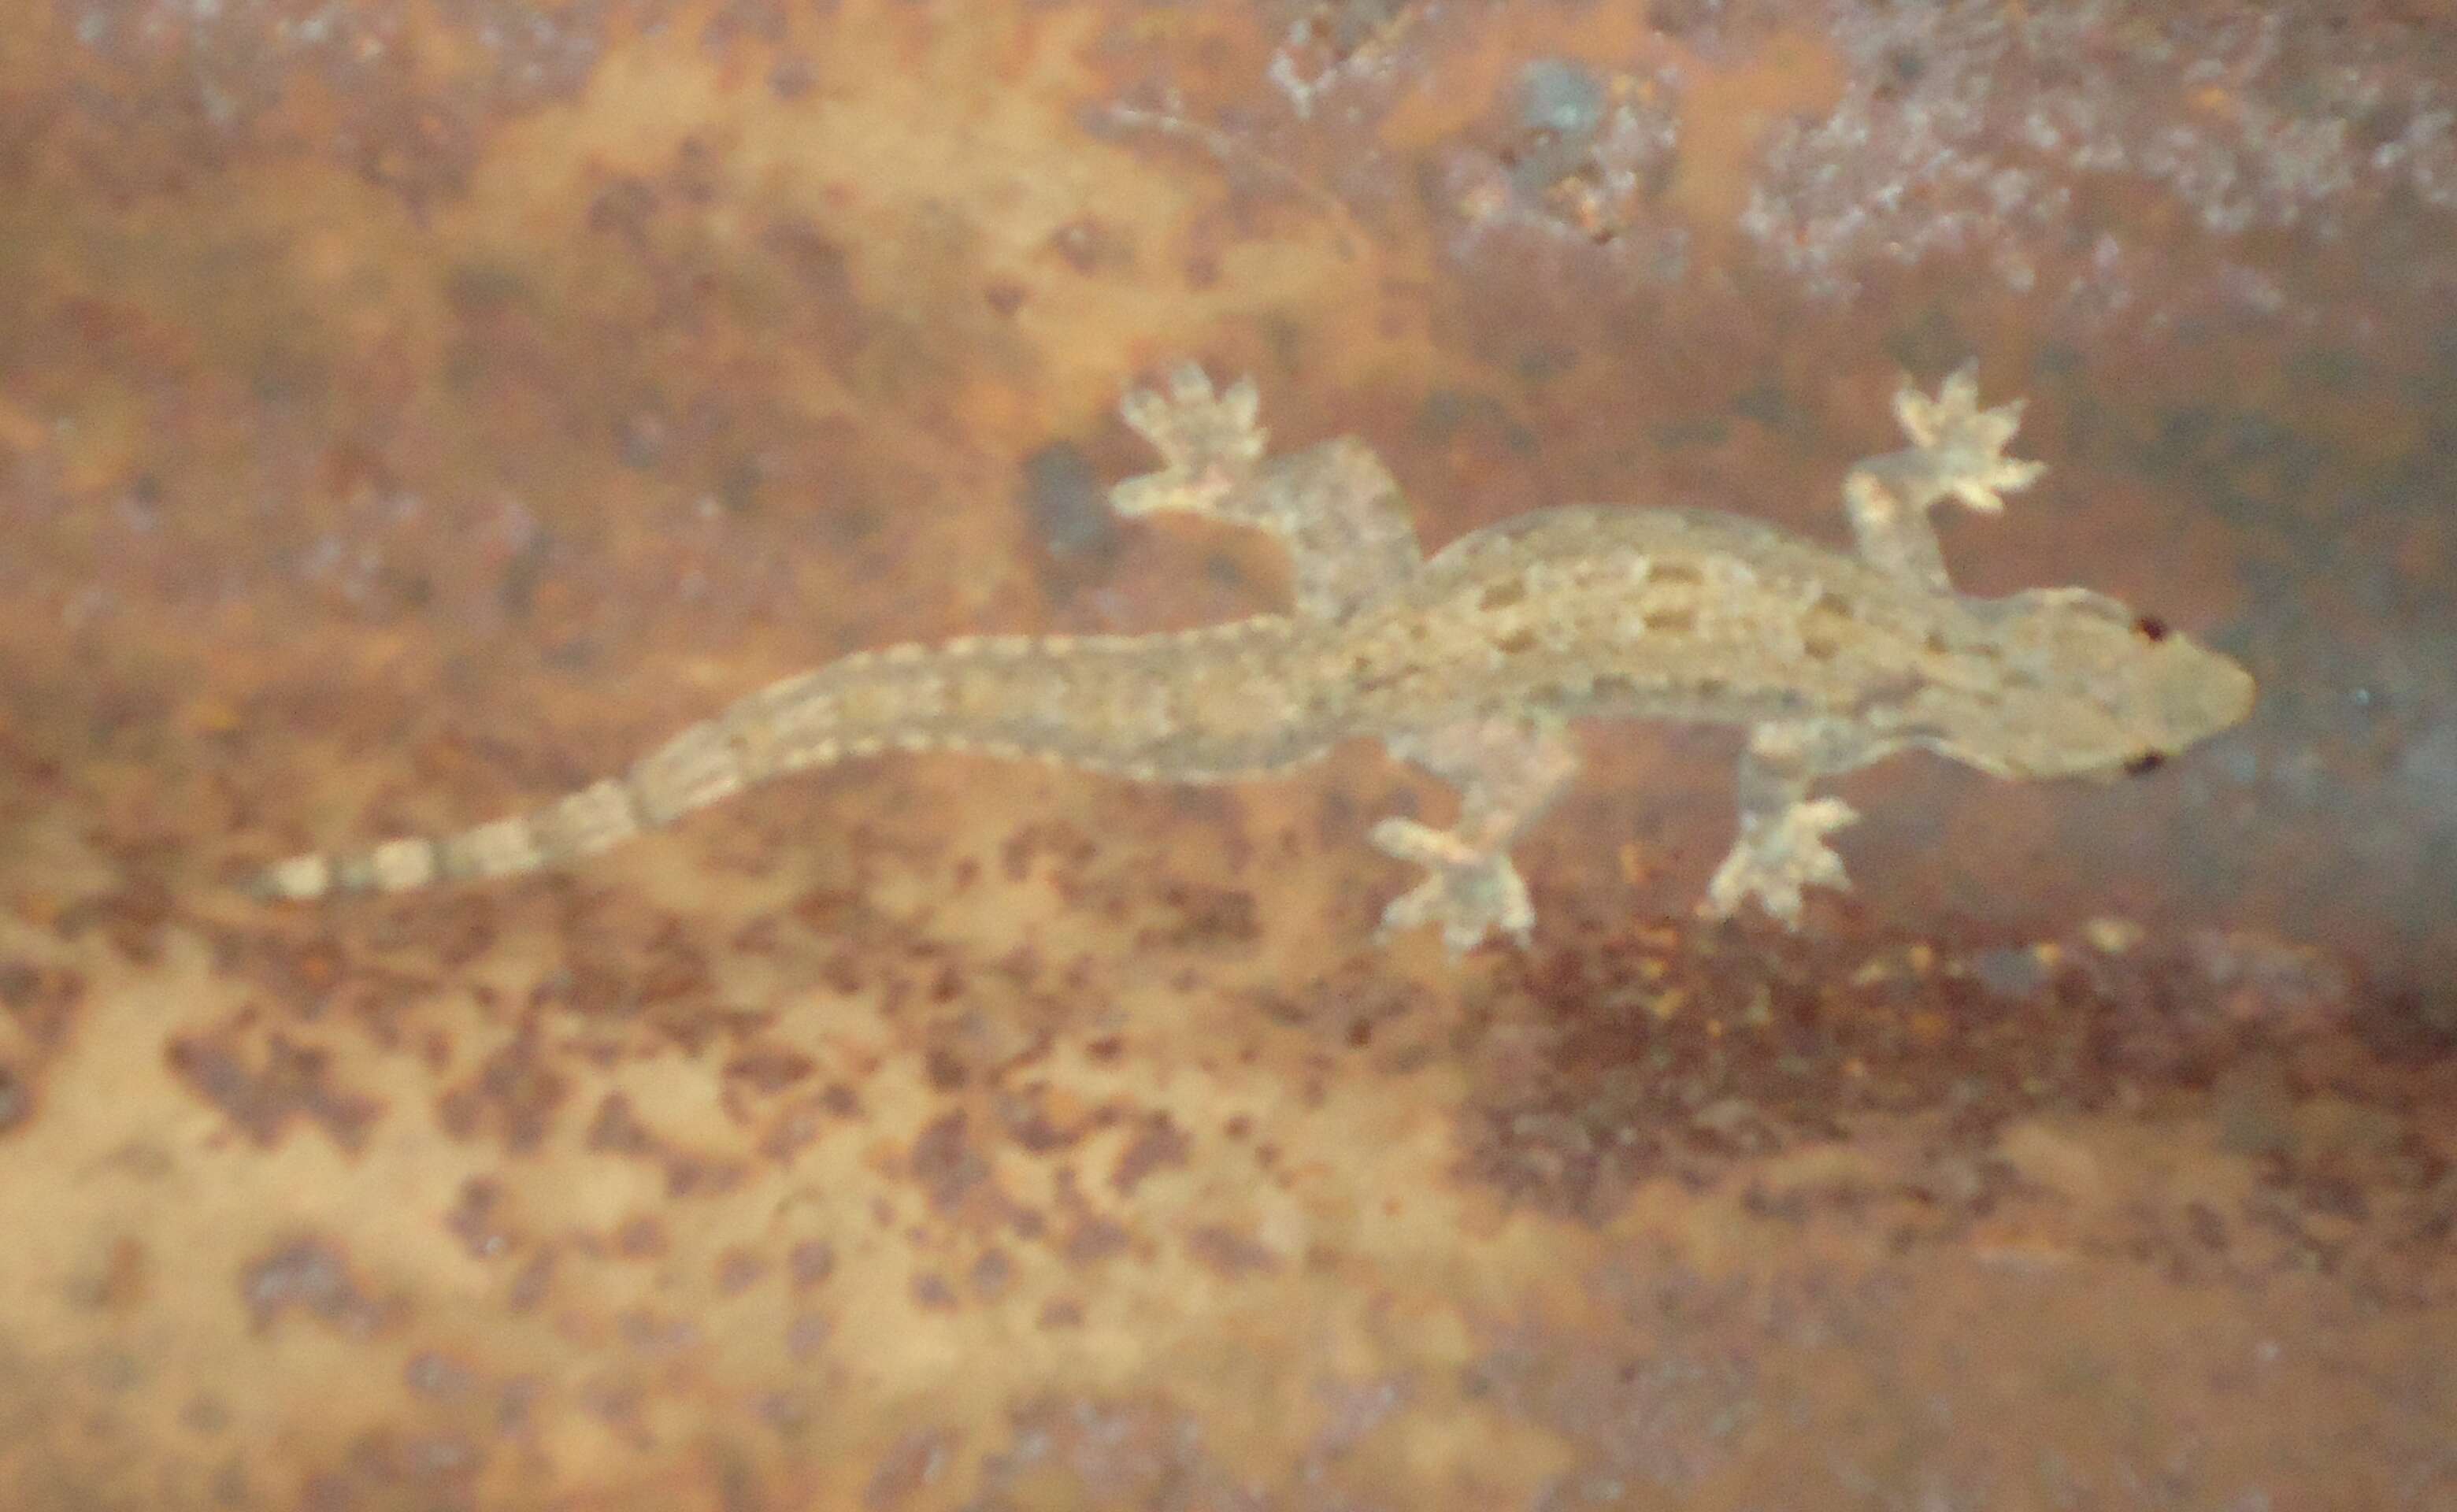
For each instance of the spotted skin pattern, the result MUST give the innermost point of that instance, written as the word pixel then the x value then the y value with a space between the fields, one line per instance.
pixel 1469 664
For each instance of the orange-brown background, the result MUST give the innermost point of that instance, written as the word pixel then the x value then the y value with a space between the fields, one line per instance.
pixel 408 410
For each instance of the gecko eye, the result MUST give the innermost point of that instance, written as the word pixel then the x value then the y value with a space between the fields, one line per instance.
pixel 2149 627
pixel 2148 762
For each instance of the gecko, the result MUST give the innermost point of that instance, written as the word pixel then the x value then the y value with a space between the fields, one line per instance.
pixel 1470 663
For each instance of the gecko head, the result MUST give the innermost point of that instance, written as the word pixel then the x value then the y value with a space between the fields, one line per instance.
pixel 2092 689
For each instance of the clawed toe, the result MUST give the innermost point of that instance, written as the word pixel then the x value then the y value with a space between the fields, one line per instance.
pixel 1775 859
pixel 1966 443
pixel 1208 439
pixel 1471 895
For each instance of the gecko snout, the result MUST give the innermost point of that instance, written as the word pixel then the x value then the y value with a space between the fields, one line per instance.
pixel 2196 692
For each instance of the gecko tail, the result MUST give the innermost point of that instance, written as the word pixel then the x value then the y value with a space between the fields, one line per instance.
pixel 705 764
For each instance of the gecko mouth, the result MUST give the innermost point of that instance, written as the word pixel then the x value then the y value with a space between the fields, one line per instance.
pixel 2200 694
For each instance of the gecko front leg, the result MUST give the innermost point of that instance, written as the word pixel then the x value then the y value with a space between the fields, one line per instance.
pixel 1782 845
pixel 1508 772
pixel 1333 507
pixel 1957 451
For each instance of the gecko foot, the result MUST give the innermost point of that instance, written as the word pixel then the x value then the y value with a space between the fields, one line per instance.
pixel 1964 444
pixel 1208 441
pixel 1775 858
pixel 1471 893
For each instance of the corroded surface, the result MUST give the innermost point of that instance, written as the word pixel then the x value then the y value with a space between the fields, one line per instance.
pixel 411 409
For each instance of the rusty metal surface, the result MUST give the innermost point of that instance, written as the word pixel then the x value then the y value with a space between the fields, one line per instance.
pixel 410 409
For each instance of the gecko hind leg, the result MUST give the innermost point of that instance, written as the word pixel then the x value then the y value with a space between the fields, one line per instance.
pixel 1333 507
pixel 1508 772
pixel 1958 452
pixel 1782 845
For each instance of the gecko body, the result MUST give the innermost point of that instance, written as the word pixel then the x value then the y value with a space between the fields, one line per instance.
pixel 1470 663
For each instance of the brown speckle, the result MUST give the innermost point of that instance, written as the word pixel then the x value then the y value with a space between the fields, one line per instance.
pixel 311 1274
pixel 529 1284
pixel 806 1335
pixel 738 1270
pixel 1159 1145
pixel 292 1080
pixel 992 1274
pixel 513 1095
pixel 1228 1253
pixel 640 1238
pixel 1096 1239
pixel 40 1001
pixel 131 918
pixel 945 1163
pixel 15 1101
pixel 810 1262
pixel 118 1285
pixel 768 1069
pixel 474 1219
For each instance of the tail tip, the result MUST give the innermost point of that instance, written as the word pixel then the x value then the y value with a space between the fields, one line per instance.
pixel 293 880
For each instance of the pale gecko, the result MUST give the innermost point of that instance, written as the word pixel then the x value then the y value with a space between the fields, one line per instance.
pixel 1470 663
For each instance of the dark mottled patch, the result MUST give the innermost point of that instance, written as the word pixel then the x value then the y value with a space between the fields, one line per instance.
pixel 476 1219
pixel 617 1131
pixel 1200 915
pixel 1676 575
pixel 1068 508
pixel 1508 593
pixel 932 1294
pixel 120 1282
pixel 1670 621
pixel 530 1283
pixel 1159 1145
pixel 945 1162
pixel 1518 642
pixel 945 1070
pixel 1228 1253
pixel 1091 1240
pixel 767 1069
pixel 1090 245
pixel 130 917
pixel 313 1275
pixel 810 1262
pixel 992 1274
pixel 1679 1053
pixel 513 1096
pixel 737 1270
pixel 41 1000
pixel 640 1237
pixel 262 1095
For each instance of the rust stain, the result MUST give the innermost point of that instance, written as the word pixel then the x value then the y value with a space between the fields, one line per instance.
pixel 411 412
